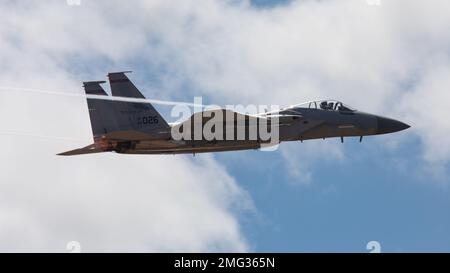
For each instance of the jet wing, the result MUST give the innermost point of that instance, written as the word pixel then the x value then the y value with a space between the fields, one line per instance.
pixel 231 118
pixel 228 118
pixel 284 119
pixel 226 114
pixel 90 149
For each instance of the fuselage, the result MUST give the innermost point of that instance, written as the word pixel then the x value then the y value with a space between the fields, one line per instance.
pixel 294 123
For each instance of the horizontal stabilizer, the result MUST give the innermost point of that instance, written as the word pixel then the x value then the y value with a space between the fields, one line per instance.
pixel 90 149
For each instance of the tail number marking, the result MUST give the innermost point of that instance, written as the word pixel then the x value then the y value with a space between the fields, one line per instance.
pixel 147 120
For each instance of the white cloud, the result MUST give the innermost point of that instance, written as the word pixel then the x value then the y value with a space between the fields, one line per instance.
pixel 426 105
pixel 106 202
pixel 376 58
pixel 300 158
pixel 365 55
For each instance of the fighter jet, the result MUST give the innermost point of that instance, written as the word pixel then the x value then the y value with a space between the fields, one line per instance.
pixel 128 124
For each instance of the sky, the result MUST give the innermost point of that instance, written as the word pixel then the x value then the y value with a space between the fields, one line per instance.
pixel 384 57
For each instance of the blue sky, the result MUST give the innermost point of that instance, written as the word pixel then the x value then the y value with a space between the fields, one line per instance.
pixel 317 196
pixel 348 204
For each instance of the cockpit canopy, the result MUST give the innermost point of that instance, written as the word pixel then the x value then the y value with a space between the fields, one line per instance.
pixel 328 105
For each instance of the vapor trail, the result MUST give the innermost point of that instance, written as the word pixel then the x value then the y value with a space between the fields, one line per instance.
pixel 77 94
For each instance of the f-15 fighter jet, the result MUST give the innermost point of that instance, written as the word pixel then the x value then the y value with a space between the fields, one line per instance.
pixel 131 125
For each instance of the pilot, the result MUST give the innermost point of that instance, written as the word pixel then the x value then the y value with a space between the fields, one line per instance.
pixel 330 106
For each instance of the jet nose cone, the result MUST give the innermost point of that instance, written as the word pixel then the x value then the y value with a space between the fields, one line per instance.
pixel 387 125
